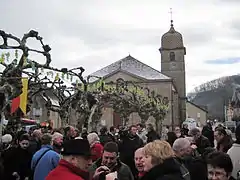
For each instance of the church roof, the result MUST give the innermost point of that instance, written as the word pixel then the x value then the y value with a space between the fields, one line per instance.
pixel 131 65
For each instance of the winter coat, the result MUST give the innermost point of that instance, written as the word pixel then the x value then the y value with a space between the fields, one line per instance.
pixel 112 136
pixel 196 167
pixel 233 152
pixel 96 151
pixel 184 131
pixel 127 148
pixel 65 170
pixel 208 133
pixel 46 164
pixel 152 135
pixel 105 138
pixel 1 169
pixel 16 159
pixel 168 170
pixel 123 171
pixel 202 143
pixel 34 146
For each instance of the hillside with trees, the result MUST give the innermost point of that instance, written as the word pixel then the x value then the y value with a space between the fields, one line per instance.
pixel 215 95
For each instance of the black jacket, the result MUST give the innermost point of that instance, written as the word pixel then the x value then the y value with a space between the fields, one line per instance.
pixel 123 171
pixel 168 170
pixel 196 167
pixel 202 143
pixel 105 138
pixel 127 148
pixel 17 160
pixel 152 135
pixel 208 133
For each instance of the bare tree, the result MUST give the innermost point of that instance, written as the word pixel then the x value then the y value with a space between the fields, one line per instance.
pixel 11 84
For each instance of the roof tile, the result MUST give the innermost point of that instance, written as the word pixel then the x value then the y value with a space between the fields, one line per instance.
pixel 133 66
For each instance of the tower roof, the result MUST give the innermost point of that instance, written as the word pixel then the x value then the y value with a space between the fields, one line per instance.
pixel 172 39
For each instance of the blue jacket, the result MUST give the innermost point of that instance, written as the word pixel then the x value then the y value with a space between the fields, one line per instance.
pixel 47 163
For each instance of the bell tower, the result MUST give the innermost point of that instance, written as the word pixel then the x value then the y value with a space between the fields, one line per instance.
pixel 173 65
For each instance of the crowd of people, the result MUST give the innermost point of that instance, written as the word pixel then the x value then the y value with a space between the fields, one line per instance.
pixel 133 153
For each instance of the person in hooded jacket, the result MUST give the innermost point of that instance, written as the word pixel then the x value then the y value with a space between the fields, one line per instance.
pixel 159 162
pixel 208 132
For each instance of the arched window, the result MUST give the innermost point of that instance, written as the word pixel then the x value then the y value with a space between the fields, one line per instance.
pixel 172 56
pixel 120 80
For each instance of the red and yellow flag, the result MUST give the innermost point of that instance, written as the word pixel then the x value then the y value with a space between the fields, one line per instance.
pixel 21 101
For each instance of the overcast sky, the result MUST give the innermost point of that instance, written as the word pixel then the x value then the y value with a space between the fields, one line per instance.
pixel 95 33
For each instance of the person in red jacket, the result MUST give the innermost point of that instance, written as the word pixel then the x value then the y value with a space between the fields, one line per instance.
pixel 75 162
pixel 95 145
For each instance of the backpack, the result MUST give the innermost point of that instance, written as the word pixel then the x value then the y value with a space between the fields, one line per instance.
pixel 184 171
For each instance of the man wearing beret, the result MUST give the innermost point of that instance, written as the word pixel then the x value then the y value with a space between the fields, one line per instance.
pixel 75 162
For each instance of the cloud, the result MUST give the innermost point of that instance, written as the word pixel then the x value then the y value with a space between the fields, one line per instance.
pixel 224 61
pixel 95 33
pixel 234 24
pixel 198 34
pixel 229 1
pixel 103 36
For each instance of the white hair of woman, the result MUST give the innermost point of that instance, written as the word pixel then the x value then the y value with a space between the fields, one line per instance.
pixel 92 138
pixel 56 135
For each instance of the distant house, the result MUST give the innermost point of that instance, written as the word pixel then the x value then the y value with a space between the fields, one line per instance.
pixel 40 112
pixel 196 112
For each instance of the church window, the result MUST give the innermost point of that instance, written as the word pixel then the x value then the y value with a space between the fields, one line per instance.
pixel 120 80
pixel 172 56
pixel 120 83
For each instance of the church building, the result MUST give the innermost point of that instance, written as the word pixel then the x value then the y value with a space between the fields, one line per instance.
pixel 170 82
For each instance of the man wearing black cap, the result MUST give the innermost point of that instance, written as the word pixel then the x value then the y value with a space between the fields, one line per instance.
pixel 75 162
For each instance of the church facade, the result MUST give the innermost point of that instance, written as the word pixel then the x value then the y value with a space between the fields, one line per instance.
pixel 170 82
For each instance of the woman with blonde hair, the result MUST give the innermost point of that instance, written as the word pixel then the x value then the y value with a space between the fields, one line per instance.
pixel 159 162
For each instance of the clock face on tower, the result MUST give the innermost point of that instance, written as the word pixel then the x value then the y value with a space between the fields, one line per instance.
pixel 173 65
